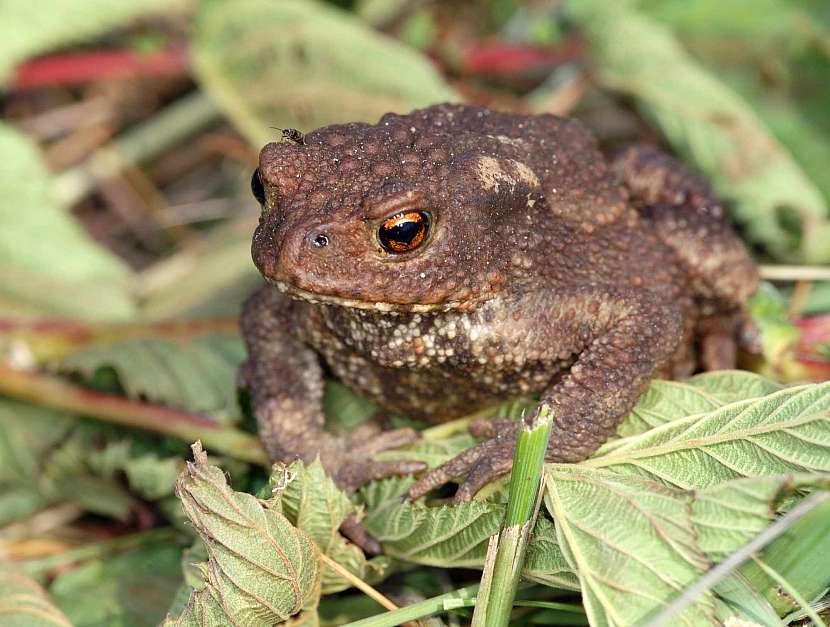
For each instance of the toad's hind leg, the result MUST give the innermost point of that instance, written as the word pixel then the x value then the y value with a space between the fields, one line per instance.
pixel 688 218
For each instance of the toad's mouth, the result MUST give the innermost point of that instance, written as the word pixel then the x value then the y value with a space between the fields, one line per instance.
pixel 386 307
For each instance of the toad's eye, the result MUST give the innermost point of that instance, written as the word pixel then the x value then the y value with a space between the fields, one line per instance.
pixel 404 232
pixel 257 188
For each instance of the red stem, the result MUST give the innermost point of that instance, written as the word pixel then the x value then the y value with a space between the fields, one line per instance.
pixel 84 67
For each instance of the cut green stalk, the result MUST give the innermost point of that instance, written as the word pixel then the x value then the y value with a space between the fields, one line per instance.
pixel 506 553
pixel 457 598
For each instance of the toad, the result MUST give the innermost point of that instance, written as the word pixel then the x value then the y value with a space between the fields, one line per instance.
pixel 449 259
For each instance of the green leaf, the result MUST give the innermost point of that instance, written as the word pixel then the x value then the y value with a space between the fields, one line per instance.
pixel 312 502
pixel 710 125
pixel 47 261
pixel 29 29
pixel 631 542
pixel 447 536
pixel 195 373
pixel 786 431
pixel 730 514
pixel 545 563
pixel 128 590
pixel 665 401
pixel 301 63
pixel 261 570
pixel 23 603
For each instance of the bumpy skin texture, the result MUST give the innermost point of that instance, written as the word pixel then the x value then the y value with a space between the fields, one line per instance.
pixel 546 271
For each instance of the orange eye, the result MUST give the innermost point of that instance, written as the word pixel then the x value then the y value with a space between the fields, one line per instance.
pixel 404 232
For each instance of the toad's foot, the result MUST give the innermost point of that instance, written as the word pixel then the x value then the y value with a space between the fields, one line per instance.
pixel 348 459
pixel 479 465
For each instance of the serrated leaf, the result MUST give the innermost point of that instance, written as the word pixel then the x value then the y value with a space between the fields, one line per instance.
pixel 454 536
pixel 784 432
pixel 665 401
pixel 47 261
pixel 300 63
pixel 312 502
pixel 128 590
pixel 710 125
pixel 447 536
pixel 261 570
pixel 730 514
pixel 23 603
pixel 545 563
pixel 631 542
pixel 195 373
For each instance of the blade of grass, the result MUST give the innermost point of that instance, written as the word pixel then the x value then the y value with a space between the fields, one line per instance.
pixel 57 393
pixel 793 557
pixel 503 568
pixel 457 598
pixel 790 590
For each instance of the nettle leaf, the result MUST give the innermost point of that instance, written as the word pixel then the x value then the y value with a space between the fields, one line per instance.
pixel 312 502
pixel 194 373
pixel 448 536
pixel 630 540
pixel 783 432
pixel 545 562
pixel 301 63
pixel 454 536
pixel 261 569
pixel 728 515
pixel 24 603
pixel 665 401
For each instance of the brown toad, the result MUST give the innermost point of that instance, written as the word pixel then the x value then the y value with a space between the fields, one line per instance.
pixel 448 259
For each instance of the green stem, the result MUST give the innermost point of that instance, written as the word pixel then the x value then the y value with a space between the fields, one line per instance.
pixel 57 393
pixel 423 609
pixel 505 558
pixel 42 565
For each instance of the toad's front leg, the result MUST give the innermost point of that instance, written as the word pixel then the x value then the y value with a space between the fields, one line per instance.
pixel 285 381
pixel 623 338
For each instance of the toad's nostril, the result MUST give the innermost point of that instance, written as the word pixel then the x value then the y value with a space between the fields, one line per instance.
pixel 321 240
